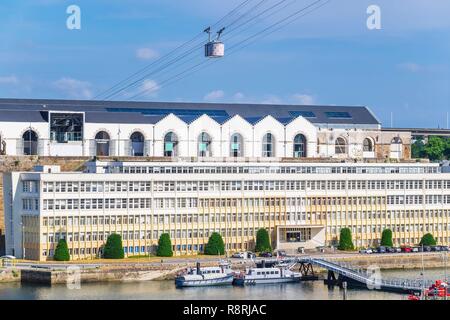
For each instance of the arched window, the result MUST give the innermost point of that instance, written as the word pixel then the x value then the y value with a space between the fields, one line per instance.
pixel 170 145
pixel 204 145
pixel 236 145
pixel 30 143
pixel 299 146
pixel 268 145
pixel 137 144
pixel 340 146
pixel 368 145
pixel 102 142
pixel 396 149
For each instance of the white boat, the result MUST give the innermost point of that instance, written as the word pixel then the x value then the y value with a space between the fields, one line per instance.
pixel 206 276
pixel 276 274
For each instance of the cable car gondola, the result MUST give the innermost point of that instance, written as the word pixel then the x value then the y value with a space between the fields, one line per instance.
pixel 214 48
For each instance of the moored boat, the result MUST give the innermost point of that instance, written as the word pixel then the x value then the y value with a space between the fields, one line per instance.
pixel 276 274
pixel 206 276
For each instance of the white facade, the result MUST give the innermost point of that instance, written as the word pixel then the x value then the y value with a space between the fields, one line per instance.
pixel 300 204
pixel 318 142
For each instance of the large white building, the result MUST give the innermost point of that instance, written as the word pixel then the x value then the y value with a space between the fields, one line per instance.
pixel 300 204
pixel 154 129
pixel 302 172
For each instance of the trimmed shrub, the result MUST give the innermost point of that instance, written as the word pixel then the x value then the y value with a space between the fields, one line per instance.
pixel 386 238
pixel 61 251
pixel 428 240
pixel 345 240
pixel 215 245
pixel 263 241
pixel 113 248
pixel 164 246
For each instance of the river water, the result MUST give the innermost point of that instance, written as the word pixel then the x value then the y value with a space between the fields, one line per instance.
pixel 314 290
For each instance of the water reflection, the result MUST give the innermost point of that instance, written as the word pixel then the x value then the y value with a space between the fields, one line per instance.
pixel 166 290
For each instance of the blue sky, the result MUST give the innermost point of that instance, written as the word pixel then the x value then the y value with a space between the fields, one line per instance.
pixel 327 57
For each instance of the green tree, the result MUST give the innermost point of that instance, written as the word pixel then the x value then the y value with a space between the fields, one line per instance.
pixel 113 248
pixel 61 251
pixel 386 238
pixel 345 240
pixel 215 245
pixel 418 149
pixel 428 240
pixel 435 148
pixel 263 241
pixel 164 246
pixel 447 148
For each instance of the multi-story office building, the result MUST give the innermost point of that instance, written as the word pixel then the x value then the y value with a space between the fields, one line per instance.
pixel 301 204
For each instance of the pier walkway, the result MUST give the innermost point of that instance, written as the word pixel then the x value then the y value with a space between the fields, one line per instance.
pixel 368 278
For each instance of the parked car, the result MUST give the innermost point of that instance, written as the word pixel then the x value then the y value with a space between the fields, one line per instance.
pixel 398 249
pixel 435 248
pixel 415 249
pixel 426 248
pixel 301 250
pixel 240 255
pixel 243 255
pixel 374 250
pixel 266 254
pixel 391 249
pixel 444 248
pixel 406 249
pixel 381 249
pixel 369 250
pixel 280 253
pixel 10 257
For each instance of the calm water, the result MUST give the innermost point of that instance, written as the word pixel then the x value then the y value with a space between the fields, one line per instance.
pixel 166 290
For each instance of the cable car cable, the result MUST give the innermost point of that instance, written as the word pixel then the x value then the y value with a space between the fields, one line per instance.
pixel 173 61
pixel 162 84
pixel 232 12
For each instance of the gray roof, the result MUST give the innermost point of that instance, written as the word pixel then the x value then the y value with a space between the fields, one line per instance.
pixel 35 110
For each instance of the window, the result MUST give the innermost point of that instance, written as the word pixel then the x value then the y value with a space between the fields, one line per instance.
pixel 338 115
pixel 268 145
pixel 204 145
pixel 30 143
pixel 137 144
pixel 304 114
pixel 102 143
pixel 396 147
pixel 340 146
pixel 299 146
pixel 368 145
pixel 170 145
pixel 236 145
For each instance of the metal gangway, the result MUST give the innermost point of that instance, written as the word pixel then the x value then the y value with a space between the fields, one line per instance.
pixel 368 277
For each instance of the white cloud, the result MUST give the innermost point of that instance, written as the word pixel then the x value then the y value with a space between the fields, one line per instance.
pixel 303 99
pixel 146 54
pixel 410 66
pixel 73 88
pixel 214 95
pixel 9 80
pixel 271 99
pixel 238 96
pixel 149 88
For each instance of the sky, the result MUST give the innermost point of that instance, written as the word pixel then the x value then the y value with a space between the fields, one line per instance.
pixel 328 56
